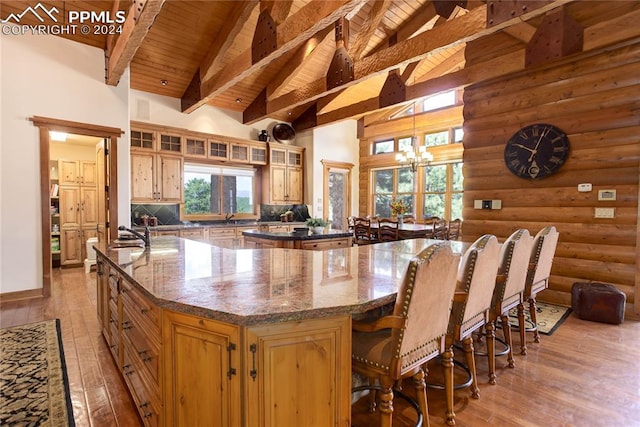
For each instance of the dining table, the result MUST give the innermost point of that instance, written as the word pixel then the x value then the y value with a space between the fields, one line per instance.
pixel 409 230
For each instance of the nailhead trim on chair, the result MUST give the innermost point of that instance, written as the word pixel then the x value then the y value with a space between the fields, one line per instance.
pixel 413 267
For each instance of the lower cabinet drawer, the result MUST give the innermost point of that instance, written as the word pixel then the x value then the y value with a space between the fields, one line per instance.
pixel 142 349
pixel 146 402
pixel 321 245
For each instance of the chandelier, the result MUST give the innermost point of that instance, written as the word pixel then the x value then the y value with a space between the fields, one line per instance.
pixel 414 157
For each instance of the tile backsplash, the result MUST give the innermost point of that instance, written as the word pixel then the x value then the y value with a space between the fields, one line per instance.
pixel 170 214
pixel 272 212
pixel 166 214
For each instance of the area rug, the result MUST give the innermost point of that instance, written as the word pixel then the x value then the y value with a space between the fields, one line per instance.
pixel 549 317
pixel 34 389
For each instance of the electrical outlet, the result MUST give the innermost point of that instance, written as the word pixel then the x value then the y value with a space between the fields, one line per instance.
pixel 604 213
pixel 584 188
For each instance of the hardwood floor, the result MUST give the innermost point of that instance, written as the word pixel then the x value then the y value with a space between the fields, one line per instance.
pixel 585 374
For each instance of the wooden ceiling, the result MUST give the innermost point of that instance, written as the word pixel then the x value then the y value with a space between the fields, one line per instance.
pixel 201 51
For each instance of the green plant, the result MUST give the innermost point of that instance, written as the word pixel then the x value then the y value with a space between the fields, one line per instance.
pixel 316 222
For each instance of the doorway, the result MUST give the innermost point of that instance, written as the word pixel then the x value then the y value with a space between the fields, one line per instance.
pixel 337 193
pixel 106 185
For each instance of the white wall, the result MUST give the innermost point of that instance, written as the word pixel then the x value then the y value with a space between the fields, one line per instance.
pixel 164 110
pixel 51 77
pixel 336 142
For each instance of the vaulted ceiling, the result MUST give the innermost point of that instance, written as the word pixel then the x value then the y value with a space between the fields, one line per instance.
pixel 312 62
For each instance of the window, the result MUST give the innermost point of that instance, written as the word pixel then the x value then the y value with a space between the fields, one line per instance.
pixel 214 190
pixel 385 146
pixel 445 99
pixel 458 134
pixel 390 183
pixel 436 138
pixel 442 191
pixel 405 144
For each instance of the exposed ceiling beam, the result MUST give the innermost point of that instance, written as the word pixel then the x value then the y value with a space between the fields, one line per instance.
pixel 464 29
pixel 368 28
pixel 496 67
pixel 134 30
pixel 301 58
pixel 291 33
pixel 232 26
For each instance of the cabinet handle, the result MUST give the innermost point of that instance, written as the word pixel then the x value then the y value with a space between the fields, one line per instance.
pixel 232 371
pixel 143 355
pixel 126 325
pixel 126 369
pixel 253 372
pixel 78 208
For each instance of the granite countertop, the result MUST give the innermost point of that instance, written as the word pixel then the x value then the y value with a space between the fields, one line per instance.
pixel 305 235
pixel 239 223
pixel 257 286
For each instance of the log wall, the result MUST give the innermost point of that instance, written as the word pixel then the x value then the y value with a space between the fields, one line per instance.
pixel 594 98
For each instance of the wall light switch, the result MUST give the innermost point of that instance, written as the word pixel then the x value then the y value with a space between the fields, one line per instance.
pixel 477 204
pixel 607 195
pixel 605 213
pixel 584 188
pixel 496 204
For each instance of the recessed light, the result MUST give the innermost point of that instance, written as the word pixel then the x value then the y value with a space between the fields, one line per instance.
pixel 164 82
pixel 58 136
pixel 238 100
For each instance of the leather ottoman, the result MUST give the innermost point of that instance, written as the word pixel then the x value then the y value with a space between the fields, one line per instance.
pixel 598 302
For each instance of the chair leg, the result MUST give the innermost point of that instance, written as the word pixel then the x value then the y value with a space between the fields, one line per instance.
pixel 386 401
pixel 522 327
pixel 421 394
pixel 372 395
pixel 506 329
pixel 491 351
pixel 447 366
pixel 467 344
pixel 534 319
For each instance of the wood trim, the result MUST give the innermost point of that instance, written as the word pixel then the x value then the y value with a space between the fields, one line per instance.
pixel 327 165
pixel 45 125
pixel 75 127
pixel 21 295
pixel 45 202
pixel 636 303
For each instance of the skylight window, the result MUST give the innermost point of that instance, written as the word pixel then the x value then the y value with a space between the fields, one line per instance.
pixel 445 99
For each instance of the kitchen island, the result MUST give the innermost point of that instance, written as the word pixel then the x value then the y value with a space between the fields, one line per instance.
pixel 304 239
pixel 247 337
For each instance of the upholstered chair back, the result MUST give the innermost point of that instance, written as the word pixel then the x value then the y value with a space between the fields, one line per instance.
pixel 477 278
pixel 544 249
pixel 514 264
pixel 424 301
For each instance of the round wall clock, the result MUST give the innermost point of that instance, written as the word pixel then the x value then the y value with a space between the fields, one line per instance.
pixel 536 151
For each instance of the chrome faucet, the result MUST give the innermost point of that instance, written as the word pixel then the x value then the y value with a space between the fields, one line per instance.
pixel 146 238
pixel 228 217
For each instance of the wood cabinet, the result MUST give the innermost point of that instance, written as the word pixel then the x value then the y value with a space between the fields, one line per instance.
pixel 283 178
pixel 193 233
pixel 72 244
pixel 310 360
pixel 77 172
pixel 155 177
pixel 181 369
pixel 202 375
pixel 131 325
pixel 78 204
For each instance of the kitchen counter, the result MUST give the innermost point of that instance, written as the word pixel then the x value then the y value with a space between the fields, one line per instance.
pixel 252 286
pixel 201 332
pixel 328 239
pixel 239 223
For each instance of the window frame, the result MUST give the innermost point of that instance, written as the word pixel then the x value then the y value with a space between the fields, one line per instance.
pixel 222 215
